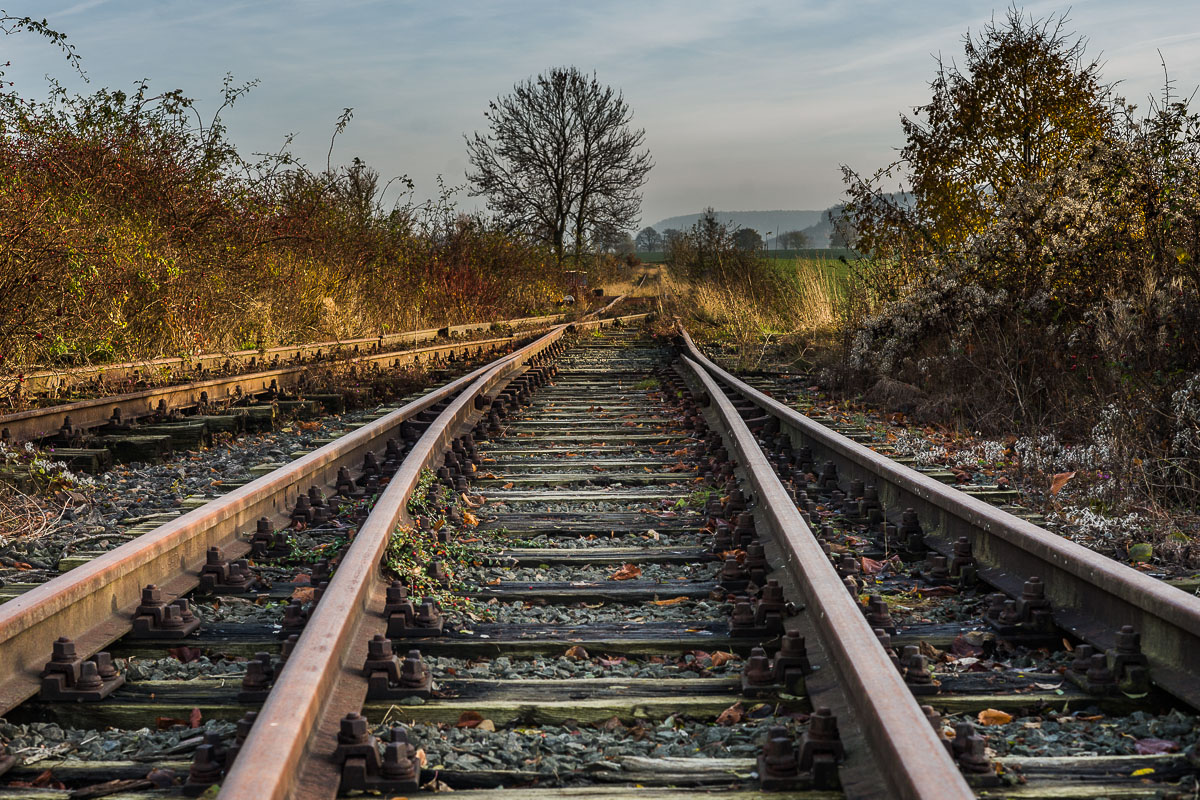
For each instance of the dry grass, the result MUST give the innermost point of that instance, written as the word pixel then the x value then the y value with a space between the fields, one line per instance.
pixel 641 281
pixel 23 516
pixel 784 321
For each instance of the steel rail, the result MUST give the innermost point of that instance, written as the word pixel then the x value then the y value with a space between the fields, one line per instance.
pixel 61 379
pixel 913 761
pixel 287 752
pixel 93 603
pixel 1092 595
pixel 41 422
pixel 47 379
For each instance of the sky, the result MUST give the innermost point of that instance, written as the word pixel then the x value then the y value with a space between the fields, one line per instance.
pixel 747 105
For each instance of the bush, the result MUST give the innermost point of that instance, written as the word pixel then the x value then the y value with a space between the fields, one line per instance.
pixel 1075 308
pixel 133 231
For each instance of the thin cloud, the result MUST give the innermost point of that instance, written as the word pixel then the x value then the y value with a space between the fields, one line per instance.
pixel 747 104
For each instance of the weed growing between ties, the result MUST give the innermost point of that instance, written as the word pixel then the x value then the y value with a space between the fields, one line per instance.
pixel 411 549
pixel 697 499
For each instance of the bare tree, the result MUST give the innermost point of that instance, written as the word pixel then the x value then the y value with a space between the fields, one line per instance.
pixel 610 166
pixel 649 240
pixel 523 165
pixel 561 157
pixel 793 240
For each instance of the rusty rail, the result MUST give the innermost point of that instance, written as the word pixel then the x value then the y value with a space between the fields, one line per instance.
pixel 1092 596
pixel 62 379
pixel 912 761
pixel 287 752
pixel 41 422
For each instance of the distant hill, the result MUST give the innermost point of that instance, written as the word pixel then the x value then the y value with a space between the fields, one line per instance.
pixel 761 221
pixel 817 225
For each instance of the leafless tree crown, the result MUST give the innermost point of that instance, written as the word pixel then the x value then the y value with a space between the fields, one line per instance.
pixel 561 160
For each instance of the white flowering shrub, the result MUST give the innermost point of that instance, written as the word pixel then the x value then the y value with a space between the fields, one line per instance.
pixel 1185 406
pixel 924 452
pixel 1063 309
pixel 32 464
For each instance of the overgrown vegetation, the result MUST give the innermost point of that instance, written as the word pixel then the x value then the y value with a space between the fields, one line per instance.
pixel 133 227
pixel 1040 271
pixel 754 301
pixel 411 549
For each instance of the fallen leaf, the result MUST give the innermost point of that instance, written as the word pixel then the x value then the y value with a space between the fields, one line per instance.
pixel 626 572
pixel 1142 551
pixel 162 778
pixel 871 567
pixel 422 759
pixel 486 725
pixel 1153 747
pixel 508 485
pixel 166 723
pixel 674 601
pixel 935 591
pixel 469 719
pixel 1059 481
pixel 993 716
pixel 304 594
pixel 576 652
pixel 732 715
pixel 962 648
pixel 611 724
pixel 45 779
pixel 184 654
pixel 719 658
pixel 470 519
pixel 930 652
pixel 195 718
pixel 1138 773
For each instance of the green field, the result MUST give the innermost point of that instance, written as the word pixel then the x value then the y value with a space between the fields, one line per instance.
pixel 810 253
pixel 835 268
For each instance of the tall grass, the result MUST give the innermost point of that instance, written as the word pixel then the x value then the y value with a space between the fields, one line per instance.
pixel 791 306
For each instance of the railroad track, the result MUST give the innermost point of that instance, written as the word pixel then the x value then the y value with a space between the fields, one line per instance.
pixel 184 405
pixel 55 382
pixel 618 545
